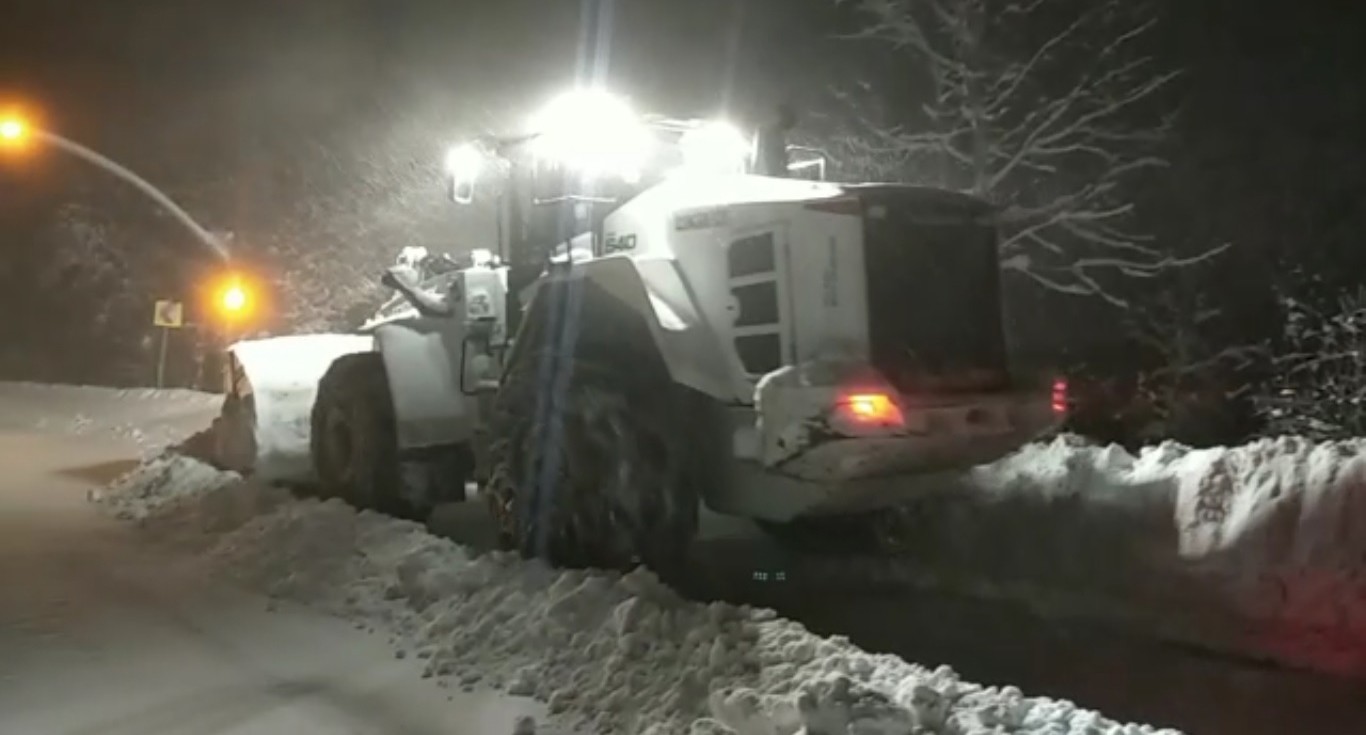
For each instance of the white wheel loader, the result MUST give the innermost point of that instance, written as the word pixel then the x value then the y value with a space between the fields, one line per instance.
pixel 666 327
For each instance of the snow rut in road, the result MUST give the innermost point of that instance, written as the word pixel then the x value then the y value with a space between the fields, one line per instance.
pixel 622 652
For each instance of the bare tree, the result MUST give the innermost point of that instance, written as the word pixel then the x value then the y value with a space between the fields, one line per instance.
pixel 1318 385
pixel 1047 108
pixel 81 280
pixel 1192 381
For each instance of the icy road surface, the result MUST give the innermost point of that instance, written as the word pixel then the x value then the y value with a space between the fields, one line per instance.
pixel 102 634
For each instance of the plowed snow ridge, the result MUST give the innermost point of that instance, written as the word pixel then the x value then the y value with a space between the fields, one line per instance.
pixel 1265 543
pixel 623 653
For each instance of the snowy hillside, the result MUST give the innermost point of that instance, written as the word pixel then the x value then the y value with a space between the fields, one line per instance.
pixel 623 653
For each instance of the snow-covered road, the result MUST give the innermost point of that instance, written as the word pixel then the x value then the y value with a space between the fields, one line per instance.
pixel 102 633
pixel 149 642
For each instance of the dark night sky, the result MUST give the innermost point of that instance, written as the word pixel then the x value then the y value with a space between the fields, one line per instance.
pixel 212 68
pixel 203 89
pixel 194 90
pixel 219 72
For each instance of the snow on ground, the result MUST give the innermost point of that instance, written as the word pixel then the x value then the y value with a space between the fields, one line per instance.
pixel 622 653
pixel 150 418
pixel 1258 548
pixel 103 632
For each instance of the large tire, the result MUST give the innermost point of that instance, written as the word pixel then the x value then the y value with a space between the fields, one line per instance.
pixel 616 487
pixel 353 439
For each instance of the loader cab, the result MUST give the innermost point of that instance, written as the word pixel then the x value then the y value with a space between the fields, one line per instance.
pixel 562 200
pixel 586 155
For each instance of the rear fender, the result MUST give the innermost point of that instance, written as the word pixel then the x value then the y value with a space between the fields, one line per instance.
pixel 422 357
pixel 682 337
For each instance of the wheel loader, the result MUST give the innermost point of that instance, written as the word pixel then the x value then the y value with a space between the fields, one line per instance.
pixel 663 327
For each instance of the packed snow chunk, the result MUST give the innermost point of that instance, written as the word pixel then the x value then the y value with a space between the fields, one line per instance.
pixel 159 482
pixel 619 653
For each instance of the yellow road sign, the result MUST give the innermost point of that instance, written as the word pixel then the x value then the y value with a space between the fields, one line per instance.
pixel 169 314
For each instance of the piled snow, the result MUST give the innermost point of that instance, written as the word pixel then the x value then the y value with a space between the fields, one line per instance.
pixel 621 652
pixel 1261 548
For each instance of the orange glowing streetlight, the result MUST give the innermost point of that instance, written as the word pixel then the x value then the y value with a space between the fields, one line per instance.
pixel 233 299
pixel 13 130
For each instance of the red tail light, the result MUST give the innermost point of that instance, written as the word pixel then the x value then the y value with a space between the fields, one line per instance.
pixel 1059 396
pixel 871 408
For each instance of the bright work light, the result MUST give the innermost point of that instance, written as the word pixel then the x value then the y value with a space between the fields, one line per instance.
pixel 716 147
pixel 463 162
pixel 592 132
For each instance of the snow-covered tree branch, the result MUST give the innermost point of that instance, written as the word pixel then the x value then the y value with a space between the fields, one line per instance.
pixel 1050 109
pixel 1318 385
pixel 1193 382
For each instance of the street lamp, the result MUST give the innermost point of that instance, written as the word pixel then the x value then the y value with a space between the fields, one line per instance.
pixel 233 300
pixel 14 130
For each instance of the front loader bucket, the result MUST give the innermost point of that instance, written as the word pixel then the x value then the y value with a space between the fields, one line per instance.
pixel 263 428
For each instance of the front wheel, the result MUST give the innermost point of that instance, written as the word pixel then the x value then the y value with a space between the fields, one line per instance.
pixel 603 478
pixel 353 440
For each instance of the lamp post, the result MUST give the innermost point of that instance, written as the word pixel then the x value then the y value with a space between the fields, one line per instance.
pixel 15 131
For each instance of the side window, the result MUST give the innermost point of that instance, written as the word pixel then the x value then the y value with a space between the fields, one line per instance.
pixel 751 256
pixel 756 318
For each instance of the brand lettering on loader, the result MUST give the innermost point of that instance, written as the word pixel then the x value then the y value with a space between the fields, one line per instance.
pixel 619 243
pixel 701 220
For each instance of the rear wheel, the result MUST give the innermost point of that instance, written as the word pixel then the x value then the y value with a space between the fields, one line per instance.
pixel 605 480
pixel 353 438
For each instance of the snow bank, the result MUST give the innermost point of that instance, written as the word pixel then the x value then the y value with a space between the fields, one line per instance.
pixel 621 652
pixel 1260 548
